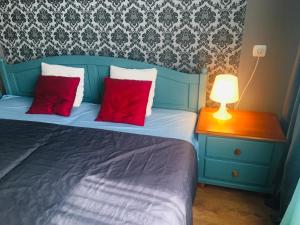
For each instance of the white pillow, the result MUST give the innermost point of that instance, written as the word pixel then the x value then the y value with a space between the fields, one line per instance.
pixel 137 74
pixel 65 71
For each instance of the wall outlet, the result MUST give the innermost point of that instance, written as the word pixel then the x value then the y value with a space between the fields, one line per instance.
pixel 259 50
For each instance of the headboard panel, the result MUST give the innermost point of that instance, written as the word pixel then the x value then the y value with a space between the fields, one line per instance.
pixel 174 90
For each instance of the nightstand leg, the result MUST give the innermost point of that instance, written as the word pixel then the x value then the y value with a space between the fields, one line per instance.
pixel 201 185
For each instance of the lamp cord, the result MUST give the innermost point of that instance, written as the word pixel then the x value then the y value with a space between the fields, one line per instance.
pixel 249 81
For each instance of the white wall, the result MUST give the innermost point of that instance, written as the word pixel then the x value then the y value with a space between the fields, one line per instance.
pixel 277 24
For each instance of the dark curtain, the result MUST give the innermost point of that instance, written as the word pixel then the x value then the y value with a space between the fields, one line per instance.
pixel 291 172
pixel 292 165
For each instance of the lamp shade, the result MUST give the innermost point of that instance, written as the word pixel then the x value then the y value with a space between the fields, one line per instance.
pixel 225 89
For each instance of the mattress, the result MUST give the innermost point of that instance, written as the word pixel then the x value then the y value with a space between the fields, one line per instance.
pixel 73 175
pixel 74 170
pixel 176 124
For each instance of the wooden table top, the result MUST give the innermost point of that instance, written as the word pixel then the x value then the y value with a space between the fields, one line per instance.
pixel 243 124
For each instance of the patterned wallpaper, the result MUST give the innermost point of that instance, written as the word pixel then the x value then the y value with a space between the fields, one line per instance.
pixel 181 34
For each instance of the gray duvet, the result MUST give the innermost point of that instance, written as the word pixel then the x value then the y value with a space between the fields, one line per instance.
pixel 60 175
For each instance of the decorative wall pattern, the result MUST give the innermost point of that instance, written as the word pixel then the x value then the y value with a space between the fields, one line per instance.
pixel 180 34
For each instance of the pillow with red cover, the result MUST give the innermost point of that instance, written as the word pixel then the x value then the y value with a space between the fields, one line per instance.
pixel 54 95
pixel 124 101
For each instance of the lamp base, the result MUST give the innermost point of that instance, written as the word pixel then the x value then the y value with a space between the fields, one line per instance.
pixel 222 113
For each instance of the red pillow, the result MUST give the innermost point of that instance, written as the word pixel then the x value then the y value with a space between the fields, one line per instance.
pixel 124 101
pixel 54 95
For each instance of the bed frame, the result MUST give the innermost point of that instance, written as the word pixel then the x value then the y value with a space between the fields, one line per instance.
pixel 174 90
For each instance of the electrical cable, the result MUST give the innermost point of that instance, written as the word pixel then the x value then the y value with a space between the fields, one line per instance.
pixel 249 81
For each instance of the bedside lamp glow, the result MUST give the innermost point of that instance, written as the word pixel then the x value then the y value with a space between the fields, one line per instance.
pixel 225 90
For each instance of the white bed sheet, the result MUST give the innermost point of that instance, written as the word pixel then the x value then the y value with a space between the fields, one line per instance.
pixel 163 122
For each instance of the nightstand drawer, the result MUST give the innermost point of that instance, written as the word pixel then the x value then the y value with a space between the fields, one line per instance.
pixel 239 150
pixel 236 172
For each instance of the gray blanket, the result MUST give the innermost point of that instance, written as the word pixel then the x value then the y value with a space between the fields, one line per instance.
pixel 53 174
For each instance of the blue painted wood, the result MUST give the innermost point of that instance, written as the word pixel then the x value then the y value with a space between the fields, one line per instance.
pixel 246 173
pixel 256 168
pixel 250 151
pixel 278 157
pixel 174 90
pixel 201 155
pixel 242 186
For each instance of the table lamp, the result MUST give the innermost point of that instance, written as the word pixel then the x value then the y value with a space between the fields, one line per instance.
pixel 225 90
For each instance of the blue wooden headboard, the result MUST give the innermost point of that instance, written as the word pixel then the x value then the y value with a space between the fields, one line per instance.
pixel 174 90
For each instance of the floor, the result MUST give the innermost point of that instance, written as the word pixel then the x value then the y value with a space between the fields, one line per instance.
pixel 223 206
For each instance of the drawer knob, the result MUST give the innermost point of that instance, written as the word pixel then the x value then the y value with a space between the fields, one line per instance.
pixel 237 151
pixel 235 173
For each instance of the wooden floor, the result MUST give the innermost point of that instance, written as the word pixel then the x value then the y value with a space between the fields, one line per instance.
pixel 222 206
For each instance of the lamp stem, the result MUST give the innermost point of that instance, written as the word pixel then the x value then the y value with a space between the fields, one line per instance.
pixel 222 113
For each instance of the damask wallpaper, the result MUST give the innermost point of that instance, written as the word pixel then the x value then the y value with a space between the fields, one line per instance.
pixel 181 34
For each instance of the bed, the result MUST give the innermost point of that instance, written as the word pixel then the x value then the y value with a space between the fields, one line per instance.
pixel 74 170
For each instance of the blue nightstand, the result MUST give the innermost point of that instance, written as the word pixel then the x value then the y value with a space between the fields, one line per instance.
pixel 244 152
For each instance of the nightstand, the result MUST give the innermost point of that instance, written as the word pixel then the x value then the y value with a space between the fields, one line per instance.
pixel 244 152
